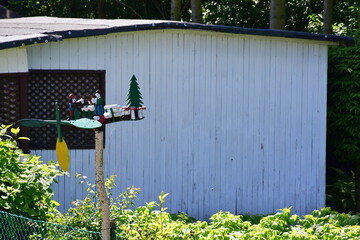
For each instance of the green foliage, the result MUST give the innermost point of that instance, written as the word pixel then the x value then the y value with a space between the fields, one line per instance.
pixel 315 23
pixel 18 227
pixel 154 222
pixel 298 14
pixel 58 8
pixel 344 102
pixel 24 180
pixel 237 13
pixel 343 118
pixel 305 15
pixel 241 13
pixel 127 9
pixel 322 224
pixel 181 216
pixel 340 192
pixel 86 213
pixel 346 16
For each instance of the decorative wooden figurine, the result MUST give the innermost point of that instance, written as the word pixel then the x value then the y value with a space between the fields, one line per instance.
pixel 94 115
pixel 62 151
pixel 134 109
pixel 134 99
pixel 99 107
pixel 87 109
pixel 74 112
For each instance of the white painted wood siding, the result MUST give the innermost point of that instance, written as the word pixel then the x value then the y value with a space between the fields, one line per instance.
pixel 13 60
pixel 234 123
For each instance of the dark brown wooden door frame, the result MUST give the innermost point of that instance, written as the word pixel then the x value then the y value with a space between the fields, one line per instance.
pixel 23 110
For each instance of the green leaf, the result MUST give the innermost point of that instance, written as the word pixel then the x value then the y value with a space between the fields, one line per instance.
pixel 23 138
pixel 15 130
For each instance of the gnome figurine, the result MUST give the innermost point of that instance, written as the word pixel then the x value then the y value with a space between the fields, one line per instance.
pixel 74 112
pixel 99 107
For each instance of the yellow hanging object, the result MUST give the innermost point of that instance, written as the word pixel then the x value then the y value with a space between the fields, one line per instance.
pixel 62 153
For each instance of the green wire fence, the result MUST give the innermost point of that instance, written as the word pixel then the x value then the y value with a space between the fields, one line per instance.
pixel 13 227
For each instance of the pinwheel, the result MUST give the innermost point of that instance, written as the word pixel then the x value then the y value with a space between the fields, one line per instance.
pixel 62 151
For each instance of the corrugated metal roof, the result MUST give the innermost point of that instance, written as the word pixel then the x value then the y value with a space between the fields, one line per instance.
pixel 29 30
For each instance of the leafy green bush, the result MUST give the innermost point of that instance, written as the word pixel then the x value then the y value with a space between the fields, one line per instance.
pixel 147 223
pixel 343 128
pixel 86 213
pixel 340 192
pixel 24 180
pixel 154 222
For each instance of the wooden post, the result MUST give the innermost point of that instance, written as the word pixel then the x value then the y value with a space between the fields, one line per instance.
pixel 100 185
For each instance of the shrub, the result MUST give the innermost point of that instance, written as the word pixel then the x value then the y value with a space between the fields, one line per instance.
pixel 85 213
pixel 152 221
pixel 25 181
pixel 340 193
pixel 343 128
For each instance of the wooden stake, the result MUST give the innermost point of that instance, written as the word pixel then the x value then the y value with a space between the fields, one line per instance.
pixel 100 185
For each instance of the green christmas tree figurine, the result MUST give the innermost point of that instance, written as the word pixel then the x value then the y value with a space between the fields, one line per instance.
pixel 134 98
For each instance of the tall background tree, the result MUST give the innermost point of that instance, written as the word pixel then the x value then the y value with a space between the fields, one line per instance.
pixel 176 10
pixel 100 9
pixel 196 11
pixel 328 16
pixel 277 14
pixel 305 15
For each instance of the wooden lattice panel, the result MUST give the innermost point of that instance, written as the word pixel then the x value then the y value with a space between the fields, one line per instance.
pixel 9 99
pixel 45 88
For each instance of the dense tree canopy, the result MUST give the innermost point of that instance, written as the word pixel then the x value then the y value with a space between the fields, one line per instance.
pixel 306 15
pixel 344 107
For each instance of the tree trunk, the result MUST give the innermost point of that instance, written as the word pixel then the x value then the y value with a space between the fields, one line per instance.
pixel 328 16
pixel 357 186
pixel 100 185
pixel 100 9
pixel 176 10
pixel 277 14
pixel 196 11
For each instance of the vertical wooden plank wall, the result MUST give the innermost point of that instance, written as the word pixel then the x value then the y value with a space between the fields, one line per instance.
pixel 233 123
pixel 13 60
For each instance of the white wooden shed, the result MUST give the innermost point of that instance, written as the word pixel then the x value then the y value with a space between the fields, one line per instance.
pixel 236 117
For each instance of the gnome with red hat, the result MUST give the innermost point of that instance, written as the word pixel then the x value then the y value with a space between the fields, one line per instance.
pixel 74 112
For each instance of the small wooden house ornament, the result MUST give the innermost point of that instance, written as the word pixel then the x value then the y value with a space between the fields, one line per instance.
pixel 90 113
pixel 93 107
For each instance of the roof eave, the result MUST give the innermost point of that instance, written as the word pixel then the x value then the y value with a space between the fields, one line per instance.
pixel 58 35
pixel 338 40
pixel 44 38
